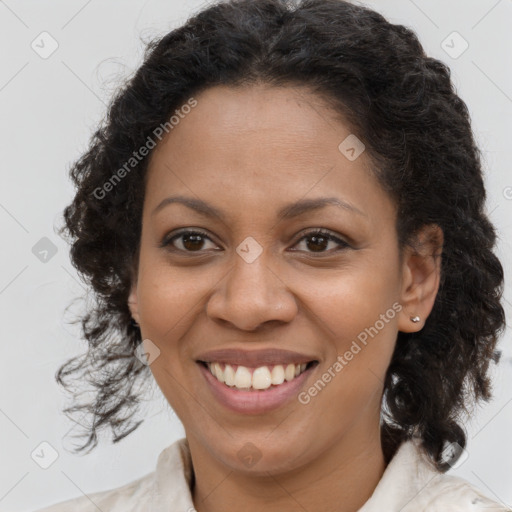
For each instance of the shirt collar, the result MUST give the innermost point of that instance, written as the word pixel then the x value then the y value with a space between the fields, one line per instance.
pixel 406 475
pixel 408 472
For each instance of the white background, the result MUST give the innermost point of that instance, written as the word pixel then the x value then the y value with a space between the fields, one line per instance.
pixel 48 109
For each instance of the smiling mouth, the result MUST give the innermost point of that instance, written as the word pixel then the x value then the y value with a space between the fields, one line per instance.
pixel 256 379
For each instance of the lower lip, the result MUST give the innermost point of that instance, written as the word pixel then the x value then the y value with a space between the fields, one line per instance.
pixel 255 402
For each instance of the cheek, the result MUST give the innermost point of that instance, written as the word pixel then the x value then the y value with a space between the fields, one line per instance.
pixel 352 299
pixel 359 346
pixel 168 295
pixel 168 300
pixel 357 312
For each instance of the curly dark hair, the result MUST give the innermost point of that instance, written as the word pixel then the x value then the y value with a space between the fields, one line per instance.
pixel 418 136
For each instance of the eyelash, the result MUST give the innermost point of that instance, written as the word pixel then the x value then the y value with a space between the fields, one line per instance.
pixel 167 242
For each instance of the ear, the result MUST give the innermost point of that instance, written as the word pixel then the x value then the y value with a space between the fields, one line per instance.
pixel 133 303
pixel 133 300
pixel 421 275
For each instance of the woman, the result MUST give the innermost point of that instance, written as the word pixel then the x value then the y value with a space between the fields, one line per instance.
pixel 283 220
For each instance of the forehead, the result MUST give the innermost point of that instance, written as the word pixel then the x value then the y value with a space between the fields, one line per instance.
pixel 259 145
pixel 232 123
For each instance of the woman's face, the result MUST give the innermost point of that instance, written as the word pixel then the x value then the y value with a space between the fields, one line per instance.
pixel 257 277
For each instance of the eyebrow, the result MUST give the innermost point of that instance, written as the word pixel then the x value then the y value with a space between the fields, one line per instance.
pixel 287 212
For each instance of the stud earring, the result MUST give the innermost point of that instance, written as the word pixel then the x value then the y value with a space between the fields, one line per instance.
pixel 415 319
pixel 134 323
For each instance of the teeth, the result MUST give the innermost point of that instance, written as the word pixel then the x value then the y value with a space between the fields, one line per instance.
pixel 277 375
pixel 243 378
pixel 229 375
pixel 259 378
pixel 289 372
pixel 217 371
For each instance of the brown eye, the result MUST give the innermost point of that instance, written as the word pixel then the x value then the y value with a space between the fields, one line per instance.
pixel 318 241
pixel 187 241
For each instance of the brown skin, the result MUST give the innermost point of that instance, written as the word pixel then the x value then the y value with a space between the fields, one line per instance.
pixel 250 152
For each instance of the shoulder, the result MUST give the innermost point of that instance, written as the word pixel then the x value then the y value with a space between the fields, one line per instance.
pixel 140 492
pixel 433 491
pixel 168 486
pixel 447 492
pixel 412 483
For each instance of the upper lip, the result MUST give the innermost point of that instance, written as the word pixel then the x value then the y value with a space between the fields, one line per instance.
pixel 254 358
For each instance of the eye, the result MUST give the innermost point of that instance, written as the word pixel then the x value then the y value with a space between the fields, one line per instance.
pixel 318 241
pixel 187 241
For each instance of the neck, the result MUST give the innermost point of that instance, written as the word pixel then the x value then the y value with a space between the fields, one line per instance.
pixel 340 479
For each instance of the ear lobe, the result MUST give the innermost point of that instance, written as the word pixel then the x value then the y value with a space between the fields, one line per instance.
pixel 421 275
pixel 133 303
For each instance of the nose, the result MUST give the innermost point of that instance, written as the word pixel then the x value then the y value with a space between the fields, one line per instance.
pixel 250 295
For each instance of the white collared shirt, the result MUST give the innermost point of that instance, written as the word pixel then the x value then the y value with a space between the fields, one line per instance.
pixel 410 483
